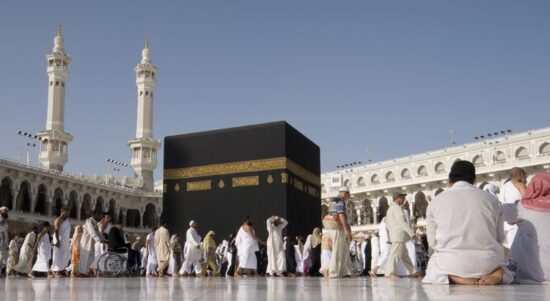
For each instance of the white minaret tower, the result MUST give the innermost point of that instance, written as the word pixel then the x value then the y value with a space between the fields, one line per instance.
pixel 54 152
pixel 144 147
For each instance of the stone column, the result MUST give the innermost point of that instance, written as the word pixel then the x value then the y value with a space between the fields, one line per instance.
pixel 124 211
pixel 49 203
pixel 16 187
pixel 79 203
pixel 375 214
pixel 359 217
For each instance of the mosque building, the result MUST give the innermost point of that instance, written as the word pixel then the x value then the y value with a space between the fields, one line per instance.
pixel 35 194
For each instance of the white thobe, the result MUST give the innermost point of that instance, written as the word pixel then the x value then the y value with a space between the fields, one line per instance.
pixel 90 235
pixel 192 252
pixel 464 225
pixel 509 194
pixel 62 254
pixel 276 261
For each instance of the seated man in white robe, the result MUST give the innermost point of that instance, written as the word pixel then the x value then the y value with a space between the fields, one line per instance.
pixel 465 230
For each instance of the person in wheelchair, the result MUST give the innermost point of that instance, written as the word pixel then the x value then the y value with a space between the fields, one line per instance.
pixel 117 243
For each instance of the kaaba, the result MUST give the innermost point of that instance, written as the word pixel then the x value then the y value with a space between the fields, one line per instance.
pixel 218 177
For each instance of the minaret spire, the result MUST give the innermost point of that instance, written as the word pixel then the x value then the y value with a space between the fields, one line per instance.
pixel 54 148
pixel 144 147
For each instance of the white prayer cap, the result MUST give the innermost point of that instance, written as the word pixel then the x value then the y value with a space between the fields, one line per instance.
pixel 344 189
pixel 191 223
pixel 138 238
pixel 4 208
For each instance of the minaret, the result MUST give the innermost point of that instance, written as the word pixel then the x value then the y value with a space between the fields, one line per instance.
pixel 144 147
pixel 54 152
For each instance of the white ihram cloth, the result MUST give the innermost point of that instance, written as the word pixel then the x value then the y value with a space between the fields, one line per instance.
pixel 24 264
pixel 90 235
pixel 62 254
pixel 464 225
pixel 375 251
pixel 43 255
pixel 384 245
pixel 151 255
pixel 325 260
pixel 192 252
pixel 298 255
pixel 531 246
pixel 246 250
pixel 509 194
pixel 276 261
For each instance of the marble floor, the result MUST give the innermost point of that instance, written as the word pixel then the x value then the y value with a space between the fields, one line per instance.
pixel 256 289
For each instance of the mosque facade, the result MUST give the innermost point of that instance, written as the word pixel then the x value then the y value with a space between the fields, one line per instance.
pixel 423 176
pixel 37 193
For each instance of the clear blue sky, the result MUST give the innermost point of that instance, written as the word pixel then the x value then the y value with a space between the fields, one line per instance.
pixel 394 76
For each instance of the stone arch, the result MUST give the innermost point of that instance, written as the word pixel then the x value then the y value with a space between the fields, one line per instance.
pixel 361 181
pixel 420 205
pixel 99 205
pixel 374 179
pixel 86 206
pixel 422 171
pixel 72 205
pixel 57 201
pixel 368 213
pixel 112 211
pixel 477 160
pixel 522 153
pixel 6 194
pixel 150 216
pixel 544 148
pixel 383 206
pixel 390 177
pixel 500 157
pixel 132 218
pixel 347 183
pixel 438 191
pixel 405 173
pixel 482 185
pixel 23 202
pixel 439 168
pixel 41 206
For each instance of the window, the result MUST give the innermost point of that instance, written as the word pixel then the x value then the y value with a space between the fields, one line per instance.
pixel 439 168
pixel 422 171
pixel 522 153
pixel 500 157
pixel 390 177
pixel 405 174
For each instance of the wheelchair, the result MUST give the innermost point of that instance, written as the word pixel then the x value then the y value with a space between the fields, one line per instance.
pixel 115 264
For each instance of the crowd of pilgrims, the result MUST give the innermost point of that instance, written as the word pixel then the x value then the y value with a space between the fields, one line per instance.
pixel 473 236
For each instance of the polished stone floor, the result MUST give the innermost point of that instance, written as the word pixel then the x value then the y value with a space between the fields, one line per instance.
pixel 256 289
